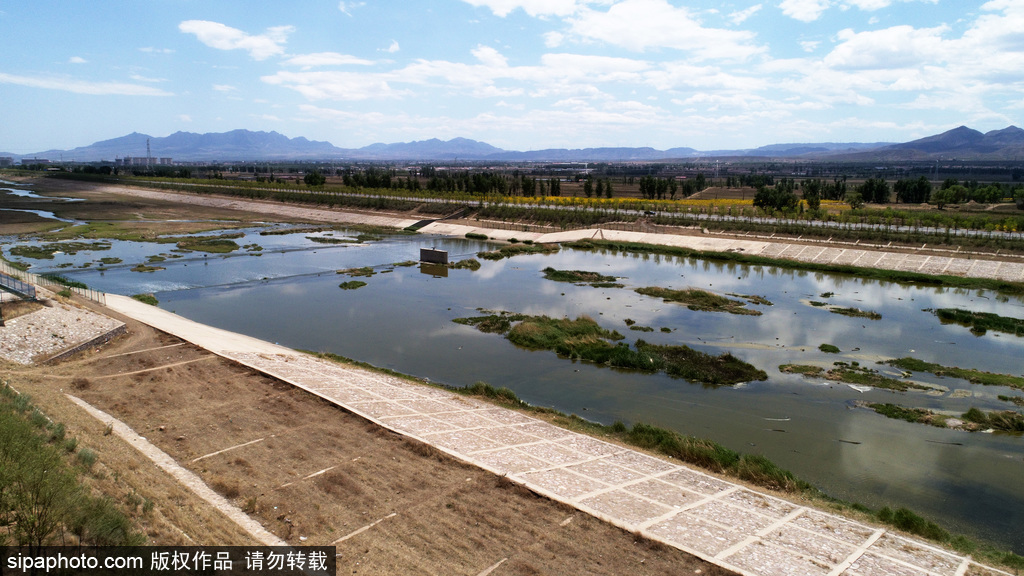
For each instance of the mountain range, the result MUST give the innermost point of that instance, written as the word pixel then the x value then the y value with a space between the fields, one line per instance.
pixel 245 145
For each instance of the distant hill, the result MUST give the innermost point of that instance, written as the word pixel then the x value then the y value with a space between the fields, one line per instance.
pixel 246 145
pixel 790 150
pixel 432 149
pixel 594 155
pixel 188 146
pixel 961 142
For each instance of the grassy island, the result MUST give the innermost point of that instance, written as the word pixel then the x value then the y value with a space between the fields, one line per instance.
pixel 700 300
pixel 981 322
pixel 581 277
pixel 585 339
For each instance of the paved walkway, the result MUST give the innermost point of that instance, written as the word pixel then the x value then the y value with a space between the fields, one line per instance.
pixel 817 252
pixel 728 524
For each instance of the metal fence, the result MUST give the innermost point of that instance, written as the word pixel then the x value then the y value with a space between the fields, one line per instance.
pixel 17 286
pixel 36 280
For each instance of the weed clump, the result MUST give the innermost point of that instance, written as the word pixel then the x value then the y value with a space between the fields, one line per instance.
pixel 908 521
pixel 579 277
pixel 146 299
pixel 87 458
pixel 467 264
pixel 502 395
pixel 971 375
pixel 981 322
pixel 856 313
pixel 517 250
pixel 355 272
pixel 699 300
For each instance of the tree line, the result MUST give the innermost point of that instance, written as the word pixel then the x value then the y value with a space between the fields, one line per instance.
pixel 782 195
pixel 653 188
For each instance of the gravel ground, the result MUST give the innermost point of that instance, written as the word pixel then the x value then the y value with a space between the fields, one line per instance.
pixel 50 330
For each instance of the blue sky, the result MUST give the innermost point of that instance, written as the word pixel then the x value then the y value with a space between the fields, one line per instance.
pixel 518 74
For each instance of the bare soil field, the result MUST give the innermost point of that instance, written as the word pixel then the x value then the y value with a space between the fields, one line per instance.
pixel 155 214
pixel 312 473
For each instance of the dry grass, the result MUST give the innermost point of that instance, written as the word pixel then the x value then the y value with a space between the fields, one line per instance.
pixel 16 308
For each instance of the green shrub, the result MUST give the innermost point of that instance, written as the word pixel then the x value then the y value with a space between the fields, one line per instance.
pixel 87 458
pixel 38 419
pixel 57 433
pixel 503 395
pixel 975 415
pixel 146 299
pixel 763 472
pixel 908 521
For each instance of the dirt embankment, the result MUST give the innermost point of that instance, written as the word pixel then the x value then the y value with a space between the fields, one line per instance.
pixel 312 473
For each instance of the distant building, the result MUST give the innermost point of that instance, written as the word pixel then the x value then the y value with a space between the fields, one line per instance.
pixel 30 161
pixel 143 161
pixel 6 161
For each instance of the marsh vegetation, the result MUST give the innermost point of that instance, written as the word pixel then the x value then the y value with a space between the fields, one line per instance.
pixel 518 250
pixel 981 322
pixel 970 374
pixel 974 420
pixel 852 373
pixel 699 300
pixel 584 339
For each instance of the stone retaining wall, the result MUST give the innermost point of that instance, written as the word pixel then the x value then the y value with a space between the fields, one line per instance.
pixel 101 339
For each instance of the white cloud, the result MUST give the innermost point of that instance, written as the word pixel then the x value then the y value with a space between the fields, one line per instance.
pixel 77 60
pixel 869 5
pixel 553 39
pixel 503 8
pixel 325 59
pixel 141 78
pixel 804 10
pixel 811 10
pixel 741 16
pixel 393 47
pixel 490 57
pixel 891 48
pixel 335 85
pixel 269 117
pixel 688 78
pixel 641 25
pixel 347 7
pixel 495 92
pixel 184 117
pixel 224 88
pixel 221 37
pixel 82 86
pixel 153 50
pixel 872 5
pixel 809 45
